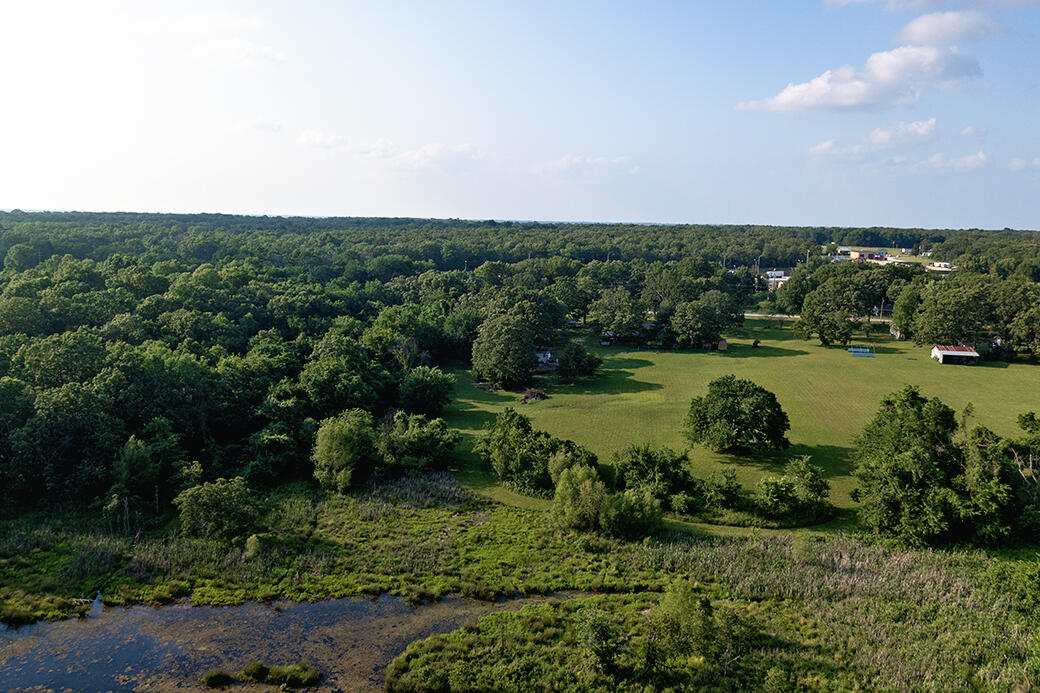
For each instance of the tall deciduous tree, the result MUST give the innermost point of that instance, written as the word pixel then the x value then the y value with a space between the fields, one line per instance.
pixel 615 311
pixel 504 352
pixel 737 416
pixel 345 450
pixel 832 311
pixel 703 321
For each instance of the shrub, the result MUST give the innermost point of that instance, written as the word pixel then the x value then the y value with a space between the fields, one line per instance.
pixel 722 490
pixel 688 503
pixel 411 442
pixel 579 498
pixel 520 455
pixel 632 513
pixel 601 638
pixel 690 624
pixel 222 509
pixel 217 678
pixel 800 494
pixel 567 455
pixel 659 471
pixel 345 450
pixel 777 497
pixel 255 671
pixel 426 390
pixel 298 675
pixel 575 362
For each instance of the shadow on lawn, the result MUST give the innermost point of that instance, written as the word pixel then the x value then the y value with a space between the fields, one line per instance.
pixel 608 381
pixel 835 460
pixel 468 411
pixel 992 364
pixel 743 351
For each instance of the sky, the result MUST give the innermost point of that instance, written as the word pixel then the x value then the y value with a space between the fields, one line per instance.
pixel 813 112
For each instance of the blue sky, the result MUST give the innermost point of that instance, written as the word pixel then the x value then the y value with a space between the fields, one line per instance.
pixel 844 112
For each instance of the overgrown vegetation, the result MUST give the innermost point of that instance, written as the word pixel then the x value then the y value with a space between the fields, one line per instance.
pixel 226 409
pixel 773 613
pixel 300 675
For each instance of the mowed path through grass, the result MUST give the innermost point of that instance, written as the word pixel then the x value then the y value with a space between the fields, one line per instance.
pixel 829 395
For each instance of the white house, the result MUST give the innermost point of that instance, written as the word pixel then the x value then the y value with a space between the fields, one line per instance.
pixel 944 353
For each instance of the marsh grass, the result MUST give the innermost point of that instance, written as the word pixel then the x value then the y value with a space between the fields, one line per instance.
pixel 835 613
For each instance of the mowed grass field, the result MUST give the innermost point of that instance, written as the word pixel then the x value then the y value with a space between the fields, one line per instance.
pixel 829 394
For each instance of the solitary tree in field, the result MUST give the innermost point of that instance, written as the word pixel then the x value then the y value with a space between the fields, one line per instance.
pixel 737 416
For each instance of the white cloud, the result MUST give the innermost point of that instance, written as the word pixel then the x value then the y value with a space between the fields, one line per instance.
pixel 825 147
pixel 930 5
pixel 974 131
pixel 1020 163
pixel 968 162
pixel 319 140
pixel 889 78
pixel 587 167
pixel 220 37
pixel 219 22
pixel 949 28
pixel 420 157
pixel 238 52
pixel 900 134
pixel 259 125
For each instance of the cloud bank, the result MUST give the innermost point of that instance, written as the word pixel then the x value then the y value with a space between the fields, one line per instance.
pixel 895 77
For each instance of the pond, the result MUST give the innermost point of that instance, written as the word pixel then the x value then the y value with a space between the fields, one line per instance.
pixel 139 648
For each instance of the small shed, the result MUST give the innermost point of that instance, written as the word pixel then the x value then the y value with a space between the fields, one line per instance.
pixel 723 344
pixel 945 353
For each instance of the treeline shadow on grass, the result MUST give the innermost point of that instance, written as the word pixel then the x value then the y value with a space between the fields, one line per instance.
pixel 742 351
pixel 835 460
pixel 609 381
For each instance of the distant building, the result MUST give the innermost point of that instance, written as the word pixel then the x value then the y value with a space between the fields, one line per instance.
pixel 940 267
pixel 869 255
pixel 844 251
pixel 944 353
pixel 775 278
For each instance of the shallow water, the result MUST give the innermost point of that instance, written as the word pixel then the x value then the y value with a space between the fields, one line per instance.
pixel 351 641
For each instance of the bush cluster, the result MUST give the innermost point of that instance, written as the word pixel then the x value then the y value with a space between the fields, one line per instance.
pixel 350 448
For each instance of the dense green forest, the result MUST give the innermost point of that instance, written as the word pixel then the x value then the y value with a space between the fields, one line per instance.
pixel 204 378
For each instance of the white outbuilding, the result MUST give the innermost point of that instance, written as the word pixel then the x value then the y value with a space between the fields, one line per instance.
pixel 944 353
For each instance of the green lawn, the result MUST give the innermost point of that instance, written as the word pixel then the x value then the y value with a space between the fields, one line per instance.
pixel 828 394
